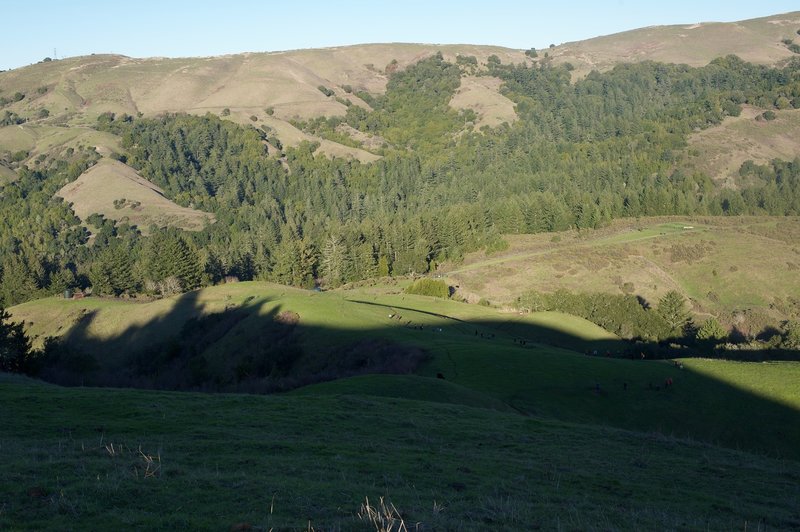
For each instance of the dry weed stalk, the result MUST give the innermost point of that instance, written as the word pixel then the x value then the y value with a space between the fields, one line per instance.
pixel 385 518
pixel 152 465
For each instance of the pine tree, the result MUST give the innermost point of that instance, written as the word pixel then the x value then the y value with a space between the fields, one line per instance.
pixel 333 261
pixel 18 283
pixel 15 346
pixel 672 307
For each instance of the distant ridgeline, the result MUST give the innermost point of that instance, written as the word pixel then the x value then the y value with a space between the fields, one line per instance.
pixel 580 155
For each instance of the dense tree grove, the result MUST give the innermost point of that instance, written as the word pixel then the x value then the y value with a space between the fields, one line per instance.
pixel 581 154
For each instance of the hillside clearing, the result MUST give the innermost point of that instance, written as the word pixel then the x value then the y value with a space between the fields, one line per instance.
pixel 96 190
pixel 482 95
pixel 717 263
pixel 719 151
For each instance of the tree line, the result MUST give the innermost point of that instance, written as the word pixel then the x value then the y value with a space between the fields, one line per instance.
pixel 581 154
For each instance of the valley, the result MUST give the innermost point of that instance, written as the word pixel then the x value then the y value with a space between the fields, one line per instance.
pixel 406 286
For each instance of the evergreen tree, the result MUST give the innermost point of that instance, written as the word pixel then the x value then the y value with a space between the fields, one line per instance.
pixel 672 307
pixel 18 284
pixel 15 346
pixel 168 256
pixel 333 261
pixel 711 331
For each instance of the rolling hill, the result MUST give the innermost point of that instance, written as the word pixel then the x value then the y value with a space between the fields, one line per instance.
pixel 141 203
pixel 756 40
pixel 532 364
pixel 367 403
pixel 271 88
pixel 739 269
pixel 719 151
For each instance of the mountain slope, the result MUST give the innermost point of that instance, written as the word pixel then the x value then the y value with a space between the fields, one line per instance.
pixel 76 90
pixel 755 40
pixel 140 202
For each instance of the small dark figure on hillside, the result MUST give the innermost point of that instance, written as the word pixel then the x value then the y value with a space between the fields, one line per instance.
pixel 597 387
pixel 625 386
pixel 440 376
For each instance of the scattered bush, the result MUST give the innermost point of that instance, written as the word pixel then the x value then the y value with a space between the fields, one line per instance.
pixel 19 156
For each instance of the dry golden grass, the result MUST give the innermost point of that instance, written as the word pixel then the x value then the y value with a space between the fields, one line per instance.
pixel 53 140
pixel 482 95
pixel 720 151
pixel 96 190
pixel 756 40
pixel 80 89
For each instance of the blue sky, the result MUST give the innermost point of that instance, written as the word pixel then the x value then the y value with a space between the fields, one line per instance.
pixel 175 28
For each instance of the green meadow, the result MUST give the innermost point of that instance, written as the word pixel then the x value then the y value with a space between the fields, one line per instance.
pixel 88 459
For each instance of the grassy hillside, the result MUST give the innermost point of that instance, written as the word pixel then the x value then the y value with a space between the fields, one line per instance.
pixel 695 43
pixel 132 326
pixel 533 364
pixel 109 181
pixel 272 88
pixel 724 266
pixel 719 151
pixel 482 95
pixel 80 89
pixel 98 458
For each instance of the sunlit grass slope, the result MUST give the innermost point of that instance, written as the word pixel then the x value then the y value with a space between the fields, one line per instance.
pixel 723 265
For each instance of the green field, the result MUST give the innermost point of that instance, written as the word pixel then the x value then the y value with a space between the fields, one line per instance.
pixel 83 459
pixel 533 364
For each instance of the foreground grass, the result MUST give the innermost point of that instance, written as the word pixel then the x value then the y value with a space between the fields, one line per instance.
pixel 79 459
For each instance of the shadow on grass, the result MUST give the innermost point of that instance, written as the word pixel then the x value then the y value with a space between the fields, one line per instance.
pixel 533 369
